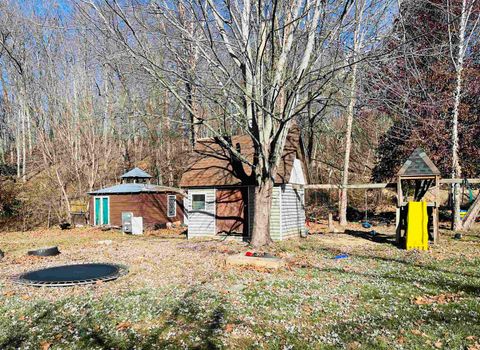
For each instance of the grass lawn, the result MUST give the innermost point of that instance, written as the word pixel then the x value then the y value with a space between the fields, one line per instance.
pixel 180 294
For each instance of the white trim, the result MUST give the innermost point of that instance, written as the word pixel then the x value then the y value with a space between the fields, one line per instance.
pixel 174 205
pixel 214 211
pixel 246 218
pixel 296 174
pixel 281 189
pixel 101 210
pixel 186 208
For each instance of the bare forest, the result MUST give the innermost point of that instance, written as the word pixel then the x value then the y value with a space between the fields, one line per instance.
pixel 91 88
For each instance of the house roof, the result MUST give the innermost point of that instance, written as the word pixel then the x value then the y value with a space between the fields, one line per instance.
pixel 136 173
pixel 135 188
pixel 210 164
pixel 418 164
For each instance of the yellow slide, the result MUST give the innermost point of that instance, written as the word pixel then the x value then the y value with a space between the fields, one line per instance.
pixel 417 226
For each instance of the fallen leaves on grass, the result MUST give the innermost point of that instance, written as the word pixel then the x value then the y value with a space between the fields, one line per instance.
pixel 475 346
pixel 123 326
pixel 418 332
pixel 44 345
pixel 436 299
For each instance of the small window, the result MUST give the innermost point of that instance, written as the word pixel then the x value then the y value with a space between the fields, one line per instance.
pixel 172 206
pixel 198 202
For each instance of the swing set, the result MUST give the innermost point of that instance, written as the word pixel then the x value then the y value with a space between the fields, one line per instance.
pixel 417 177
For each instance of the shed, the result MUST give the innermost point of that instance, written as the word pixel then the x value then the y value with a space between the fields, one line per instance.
pixel 221 190
pixel 158 205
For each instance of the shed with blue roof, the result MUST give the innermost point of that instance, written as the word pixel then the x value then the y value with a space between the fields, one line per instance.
pixel 158 205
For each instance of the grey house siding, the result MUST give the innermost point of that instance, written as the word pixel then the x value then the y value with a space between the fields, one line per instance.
pixel 251 208
pixel 275 214
pixel 202 222
pixel 287 216
pixel 292 211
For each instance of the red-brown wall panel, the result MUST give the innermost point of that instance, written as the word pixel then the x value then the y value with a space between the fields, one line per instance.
pixel 151 206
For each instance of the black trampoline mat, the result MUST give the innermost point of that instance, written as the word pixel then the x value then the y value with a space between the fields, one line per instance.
pixel 72 274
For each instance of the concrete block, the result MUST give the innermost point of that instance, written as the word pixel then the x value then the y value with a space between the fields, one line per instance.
pixel 242 260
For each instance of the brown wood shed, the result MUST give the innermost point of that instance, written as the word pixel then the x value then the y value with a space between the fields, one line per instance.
pixel 221 189
pixel 158 205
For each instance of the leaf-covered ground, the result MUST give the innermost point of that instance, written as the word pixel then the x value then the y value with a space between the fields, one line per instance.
pixel 180 294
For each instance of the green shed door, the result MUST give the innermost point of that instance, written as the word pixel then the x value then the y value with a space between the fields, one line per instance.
pixel 97 211
pixel 105 210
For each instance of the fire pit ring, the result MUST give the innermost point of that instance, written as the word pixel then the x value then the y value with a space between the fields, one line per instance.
pixel 50 251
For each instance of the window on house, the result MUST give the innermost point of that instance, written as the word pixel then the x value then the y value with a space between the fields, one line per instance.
pixel 172 206
pixel 198 202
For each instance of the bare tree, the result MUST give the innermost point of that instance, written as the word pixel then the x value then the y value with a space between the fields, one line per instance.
pixel 458 58
pixel 257 61
pixel 359 8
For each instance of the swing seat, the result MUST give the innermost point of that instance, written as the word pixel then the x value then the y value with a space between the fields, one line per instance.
pixel 366 224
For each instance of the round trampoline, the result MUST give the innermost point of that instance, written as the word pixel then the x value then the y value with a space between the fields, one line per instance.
pixel 72 275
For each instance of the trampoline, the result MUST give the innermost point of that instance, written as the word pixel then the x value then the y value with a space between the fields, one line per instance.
pixel 72 275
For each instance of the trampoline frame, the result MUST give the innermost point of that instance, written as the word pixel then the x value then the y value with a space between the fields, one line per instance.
pixel 19 279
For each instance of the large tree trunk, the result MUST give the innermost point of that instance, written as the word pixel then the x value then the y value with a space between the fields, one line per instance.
pixel 261 216
pixel 348 148
pixel 456 168
pixel 357 44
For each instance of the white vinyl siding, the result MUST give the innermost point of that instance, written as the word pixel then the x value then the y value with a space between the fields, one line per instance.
pixel 251 208
pixel 287 216
pixel 292 210
pixel 275 214
pixel 201 222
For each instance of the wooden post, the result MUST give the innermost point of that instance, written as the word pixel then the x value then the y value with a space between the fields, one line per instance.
pixel 472 214
pixel 331 227
pixel 397 225
pixel 435 211
pixel 398 216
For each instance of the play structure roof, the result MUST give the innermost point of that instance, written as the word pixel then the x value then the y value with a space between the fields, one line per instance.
pixel 418 164
pixel 136 173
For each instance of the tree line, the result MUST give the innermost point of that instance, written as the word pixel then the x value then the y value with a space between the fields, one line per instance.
pixel 91 88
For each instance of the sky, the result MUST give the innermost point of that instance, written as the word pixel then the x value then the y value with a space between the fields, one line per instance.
pixel 63 7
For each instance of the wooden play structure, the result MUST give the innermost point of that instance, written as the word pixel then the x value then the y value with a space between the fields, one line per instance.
pixel 417 175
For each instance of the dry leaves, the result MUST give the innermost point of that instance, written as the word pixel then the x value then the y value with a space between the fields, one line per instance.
pixel 9 293
pixel 418 332
pixel 44 345
pixel 123 325
pixel 436 299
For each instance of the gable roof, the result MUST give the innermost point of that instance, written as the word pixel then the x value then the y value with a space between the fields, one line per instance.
pixel 418 164
pixel 136 173
pixel 135 188
pixel 211 165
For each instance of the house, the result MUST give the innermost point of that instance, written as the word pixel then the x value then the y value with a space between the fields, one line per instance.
pixel 221 190
pixel 157 205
